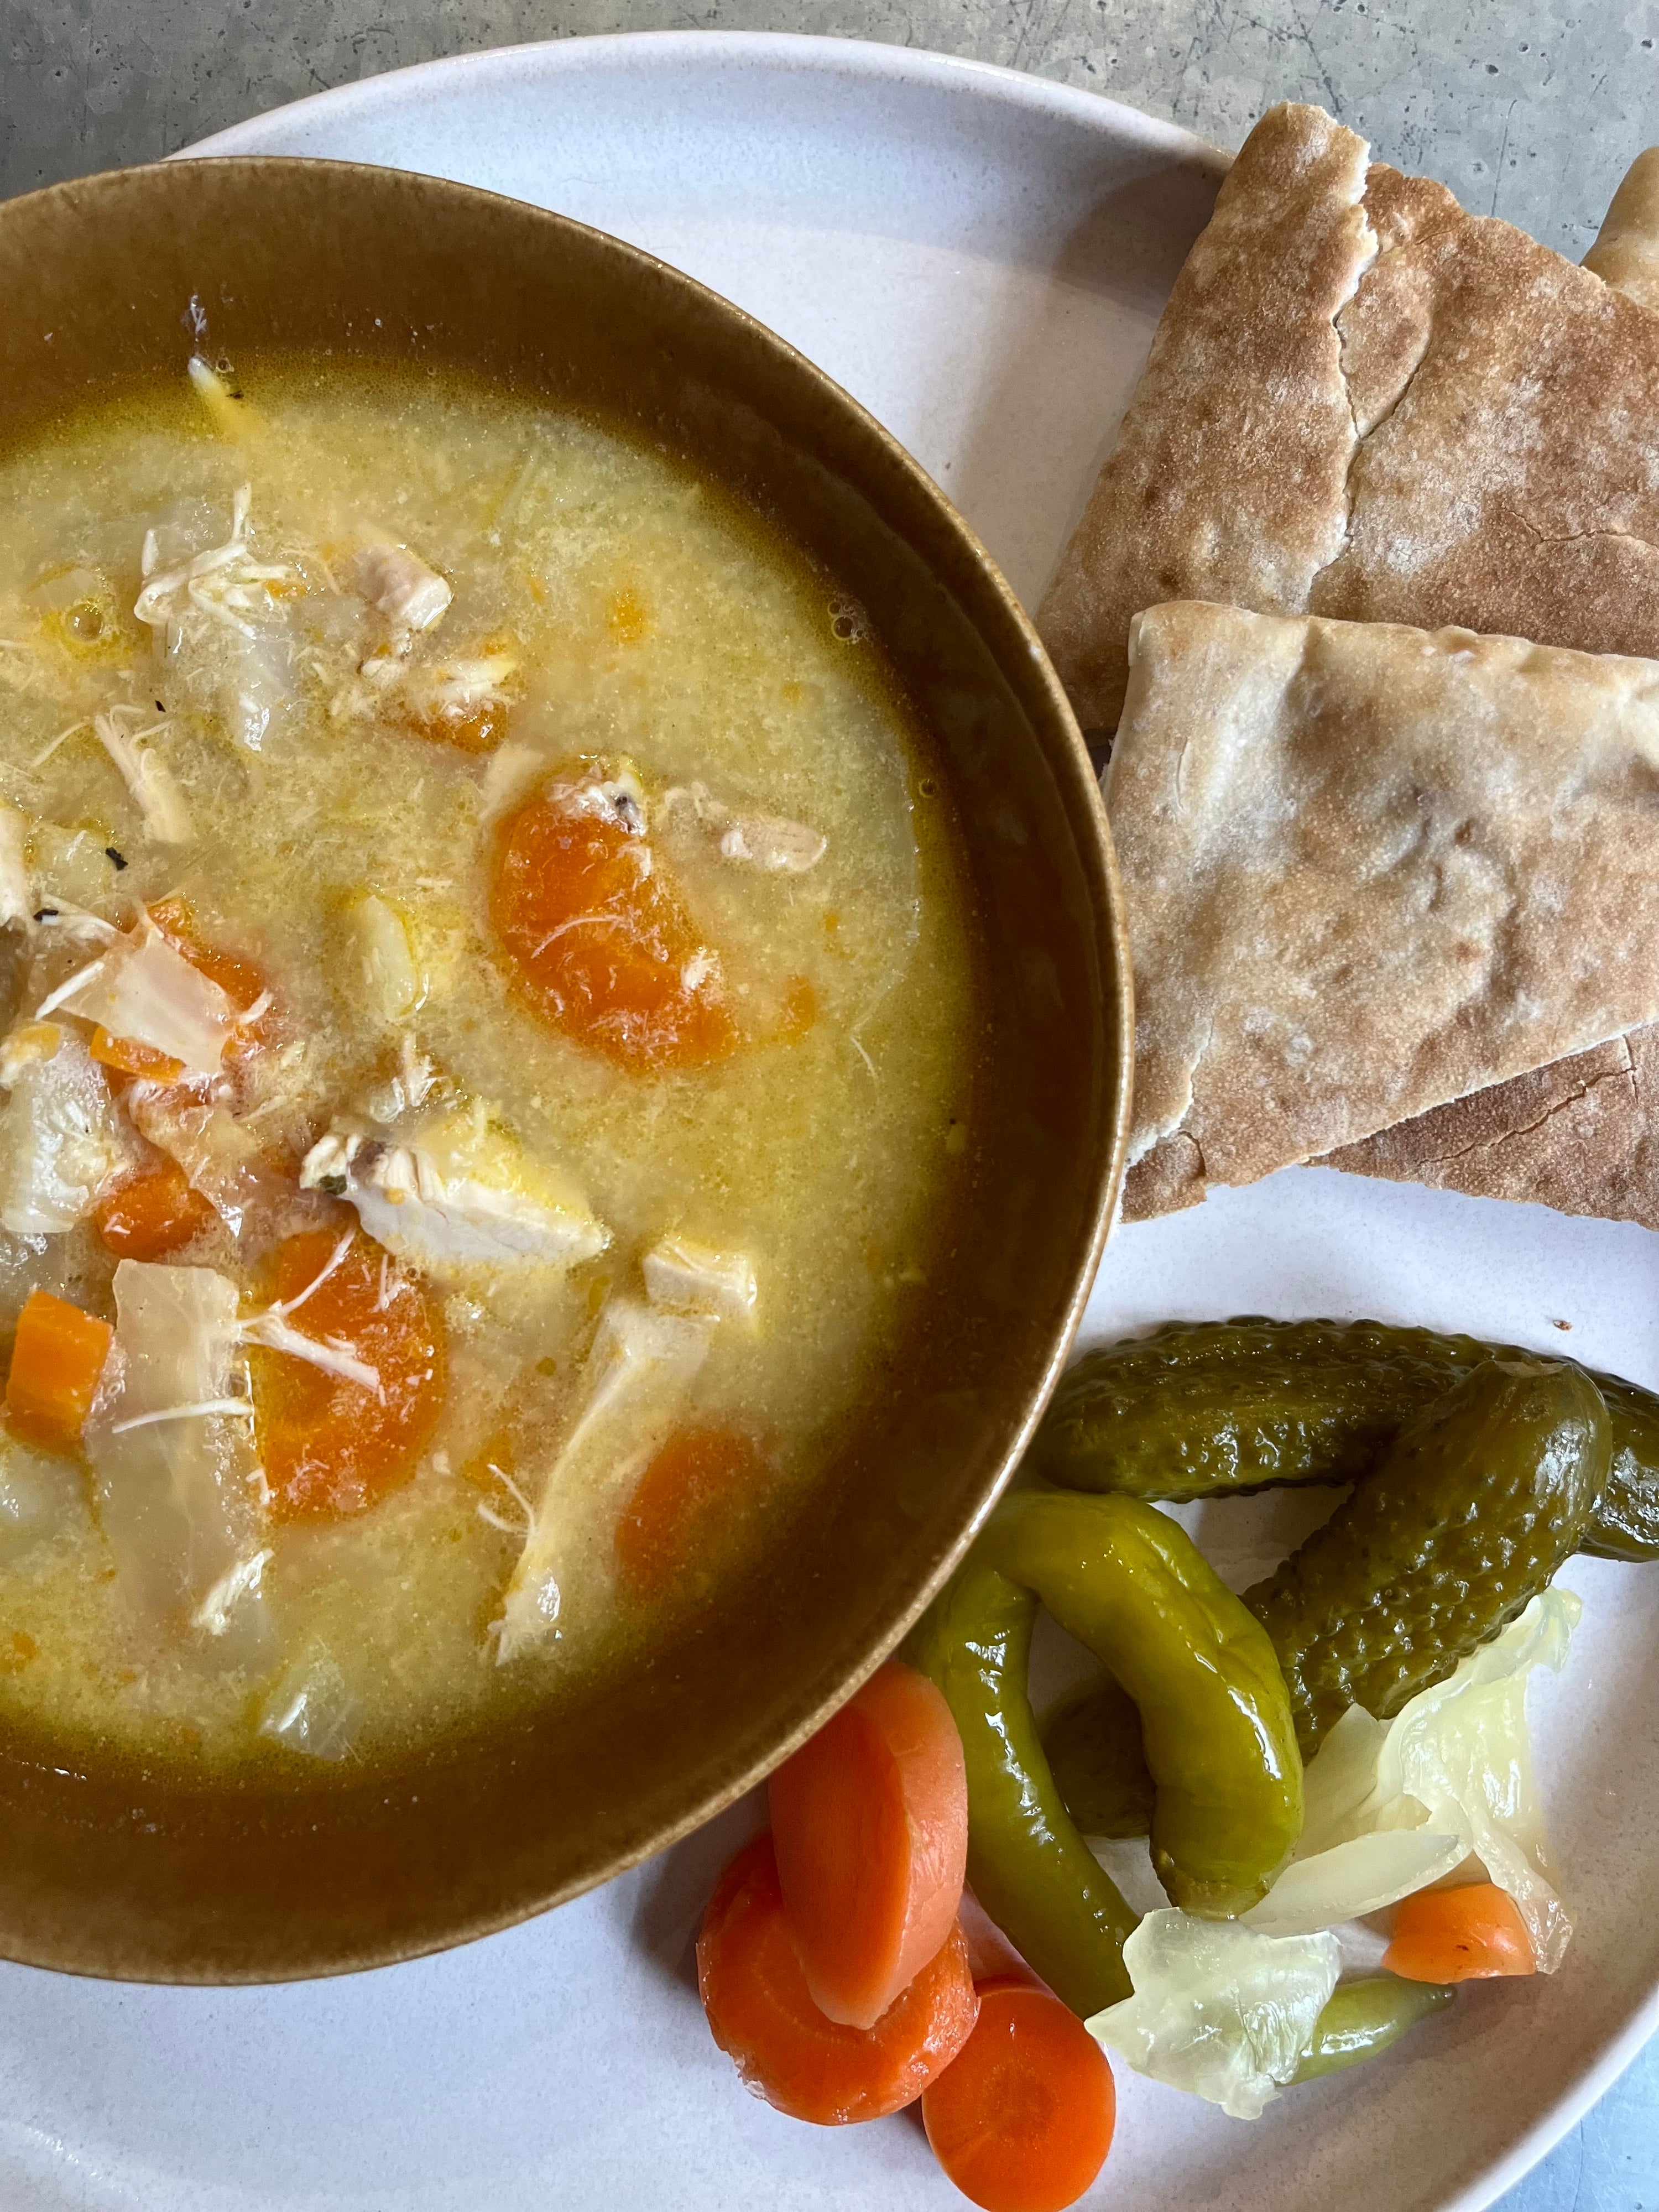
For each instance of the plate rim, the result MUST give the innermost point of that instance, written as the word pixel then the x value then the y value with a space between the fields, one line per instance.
pixel 668 52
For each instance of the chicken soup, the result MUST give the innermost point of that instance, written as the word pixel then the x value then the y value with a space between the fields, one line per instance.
pixel 490 1022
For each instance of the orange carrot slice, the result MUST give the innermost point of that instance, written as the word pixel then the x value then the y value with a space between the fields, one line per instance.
pixel 151 1213
pixel 870 1820
pixel 599 939
pixel 698 1474
pixel 332 1445
pixel 1469 1934
pixel 56 1361
pixel 239 979
pixel 1021 2120
pixel 131 1056
pixel 761 2015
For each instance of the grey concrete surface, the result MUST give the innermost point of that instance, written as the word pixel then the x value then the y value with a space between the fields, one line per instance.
pixel 1529 109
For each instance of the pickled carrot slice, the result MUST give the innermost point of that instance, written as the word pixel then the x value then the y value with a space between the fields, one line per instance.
pixel 870 1822
pixel 761 2015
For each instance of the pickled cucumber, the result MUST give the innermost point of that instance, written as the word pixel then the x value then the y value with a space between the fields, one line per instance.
pixel 1469 1513
pixel 1205 1409
pixel 1094 1750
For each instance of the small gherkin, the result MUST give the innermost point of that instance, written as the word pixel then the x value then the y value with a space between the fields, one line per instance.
pixel 1469 1514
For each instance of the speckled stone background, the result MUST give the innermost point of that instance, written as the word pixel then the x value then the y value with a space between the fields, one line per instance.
pixel 1529 109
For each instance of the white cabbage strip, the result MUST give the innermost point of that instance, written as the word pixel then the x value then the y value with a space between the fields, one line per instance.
pixel 311 1710
pixel 60 1134
pixel 143 989
pixel 636 1379
pixel 174 1479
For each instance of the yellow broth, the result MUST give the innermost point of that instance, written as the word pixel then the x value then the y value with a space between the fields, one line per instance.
pixel 651 620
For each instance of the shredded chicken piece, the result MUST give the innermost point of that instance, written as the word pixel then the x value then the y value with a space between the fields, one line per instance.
pixel 151 783
pixel 689 1278
pixel 767 842
pixel 243 1580
pixel 333 1354
pixel 224 582
pixel 636 1381
pixel 392 977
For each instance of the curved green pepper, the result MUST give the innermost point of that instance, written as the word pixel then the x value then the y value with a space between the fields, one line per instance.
pixel 1363 2018
pixel 1128 1582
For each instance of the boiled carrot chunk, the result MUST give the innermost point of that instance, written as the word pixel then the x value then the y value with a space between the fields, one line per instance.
pixel 55 1363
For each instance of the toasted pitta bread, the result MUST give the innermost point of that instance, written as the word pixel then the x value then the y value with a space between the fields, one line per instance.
pixel 1368 869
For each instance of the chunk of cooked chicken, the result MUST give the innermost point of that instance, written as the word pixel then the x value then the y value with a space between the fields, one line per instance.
pixel 453 1192
pixel 768 841
pixel 400 586
pixel 689 1278
pixel 62 1135
pixel 635 1382
pixel 143 989
pixel 171 1457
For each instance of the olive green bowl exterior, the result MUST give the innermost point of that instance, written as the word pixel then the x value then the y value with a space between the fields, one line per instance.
pixel 157 1874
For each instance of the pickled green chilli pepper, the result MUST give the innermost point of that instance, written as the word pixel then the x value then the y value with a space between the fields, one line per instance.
pixel 1363 2018
pixel 1207 1409
pixel 1215 1717
pixel 1477 1503
pixel 1094 1747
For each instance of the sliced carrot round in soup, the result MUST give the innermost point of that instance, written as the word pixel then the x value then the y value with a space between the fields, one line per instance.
pixel 151 1213
pixel 599 939
pixel 331 1442
pixel 869 1819
pixel 696 1478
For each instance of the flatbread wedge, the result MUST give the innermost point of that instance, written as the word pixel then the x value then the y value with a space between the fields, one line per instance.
pixel 1369 869
pixel 1363 402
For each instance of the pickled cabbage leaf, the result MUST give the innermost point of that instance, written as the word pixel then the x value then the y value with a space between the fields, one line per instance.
pixel 1457 1761
pixel 61 1136
pixel 1353 1878
pixel 311 1709
pixel 1219 2008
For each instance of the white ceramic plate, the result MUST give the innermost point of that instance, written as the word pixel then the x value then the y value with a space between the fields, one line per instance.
pixel 981 257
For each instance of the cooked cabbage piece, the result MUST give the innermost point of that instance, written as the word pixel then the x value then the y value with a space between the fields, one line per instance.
pixel 61 1133
pixel 172 1455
